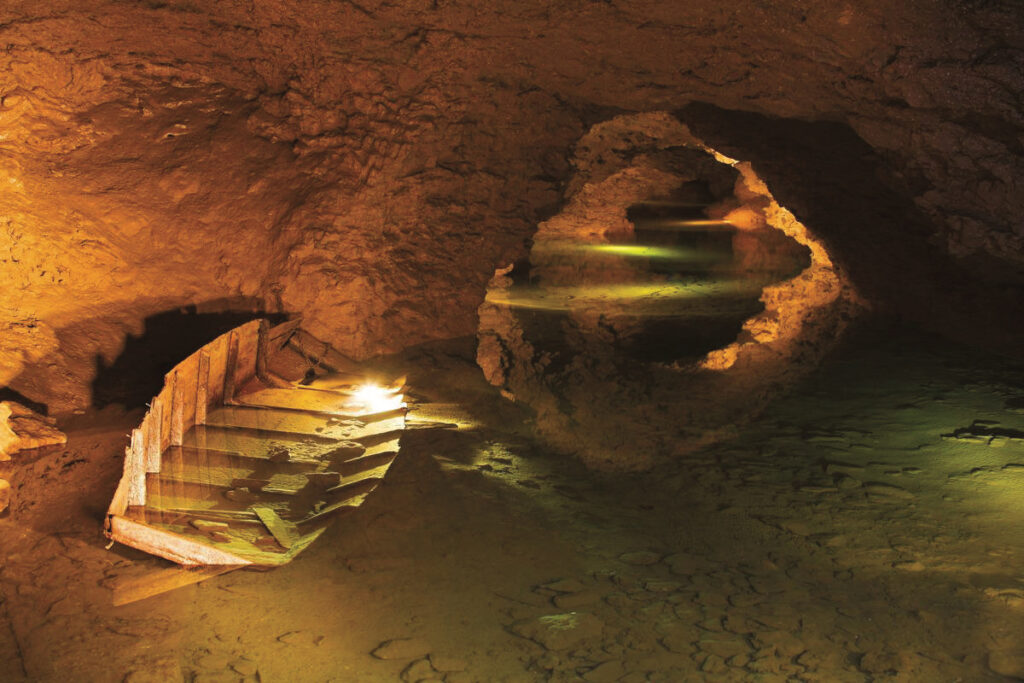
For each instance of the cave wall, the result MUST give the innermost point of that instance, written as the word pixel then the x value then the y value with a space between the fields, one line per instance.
pixel 370 165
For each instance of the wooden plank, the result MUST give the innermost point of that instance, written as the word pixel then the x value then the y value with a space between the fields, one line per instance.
pixel 166 396
pixel 359 484
pixel 248 348
pixel 187 373
pixel 321 354
pixel 150 584
pixel 295 399
pixel 347 505
pixel 151 435
pixel 290 425
pixel 366 463
pixel 214 468
pixel 218 350
pixel 211 457
pixel 286 421
pixel 119 503
pixel 168 545
pixel 198 496
pixel 278 335
pixel 322 402
pixel 177 408
pixel 288 364
pixel 202 386
pixel 231 360
pixel 263 445
pixel 285 533
pixel 135 469
pixel 262 351
pixel 386 440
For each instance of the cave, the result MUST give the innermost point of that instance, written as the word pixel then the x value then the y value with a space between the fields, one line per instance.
pixel 699 327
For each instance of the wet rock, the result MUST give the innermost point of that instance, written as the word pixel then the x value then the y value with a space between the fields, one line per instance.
pixel 679 641
pixel 881 663
pixel 560 631
pixel 764 664
pixel 724 646
pixel 22 429
pixel 565 586
pixel 244 667
pixel 402 648
pixel 909 566
pixel 883 490
pixel 158 670
pixel 738 661
pixel 279 454
pixel 797 527
pixel 784 643
pixel 572 601
pixel 845 482
pixel 446 664
pixel 713 664
pixel 214 661
pixel 1007 663
pixel 660 585
pixel 641 558
pixel 745 599
pixel 713 624
pixel 620 601
pixel 213 677
pixel 685 564
pixel 241 495
pixel 606 672
pixel 292 637
pixel 418 671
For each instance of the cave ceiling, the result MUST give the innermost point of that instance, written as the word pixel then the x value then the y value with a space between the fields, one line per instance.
pixel 370 165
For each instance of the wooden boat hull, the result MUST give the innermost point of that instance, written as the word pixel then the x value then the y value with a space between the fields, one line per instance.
pixel 255 443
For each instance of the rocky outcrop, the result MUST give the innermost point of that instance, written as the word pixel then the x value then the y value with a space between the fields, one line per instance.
pixel 22 429
pixel 617 412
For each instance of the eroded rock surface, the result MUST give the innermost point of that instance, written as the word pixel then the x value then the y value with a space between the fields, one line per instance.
pixel 554 332
pixel 22 429
pixel 370 165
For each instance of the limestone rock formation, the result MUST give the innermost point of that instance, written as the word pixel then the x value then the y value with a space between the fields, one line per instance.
pixel 22 429
pixel 371 164
pixel 557 345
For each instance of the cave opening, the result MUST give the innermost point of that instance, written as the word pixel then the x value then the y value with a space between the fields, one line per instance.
pixel 587 341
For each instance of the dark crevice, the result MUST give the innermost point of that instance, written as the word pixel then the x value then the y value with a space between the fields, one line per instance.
pixel 168 338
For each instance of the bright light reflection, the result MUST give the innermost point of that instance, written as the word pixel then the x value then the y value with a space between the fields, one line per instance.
pixel 566 298
pixel 377 399
pixel 642 251
pixel 568 249
pixel 695 223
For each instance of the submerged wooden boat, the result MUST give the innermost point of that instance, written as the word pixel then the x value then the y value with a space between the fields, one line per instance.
pixel 255 443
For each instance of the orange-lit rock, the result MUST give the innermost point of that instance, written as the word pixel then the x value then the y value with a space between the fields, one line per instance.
pixel 623 413
pixel 21 429
pixel 371 166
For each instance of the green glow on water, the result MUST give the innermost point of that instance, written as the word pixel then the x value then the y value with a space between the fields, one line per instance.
pixel 653 252
pixel 640 293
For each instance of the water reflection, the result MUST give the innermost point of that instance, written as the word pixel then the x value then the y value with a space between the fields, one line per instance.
pixel 678 285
